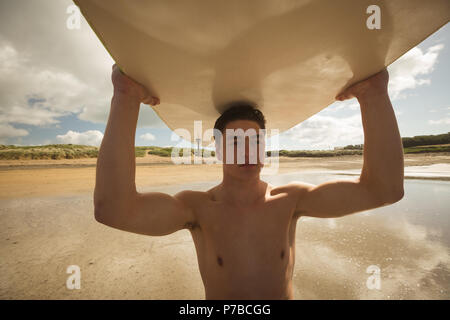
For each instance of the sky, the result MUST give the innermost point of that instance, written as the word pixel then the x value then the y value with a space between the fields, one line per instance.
pixel 55 87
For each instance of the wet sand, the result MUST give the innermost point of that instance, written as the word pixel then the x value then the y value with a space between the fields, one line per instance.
pixel 33 178
pixel 47 224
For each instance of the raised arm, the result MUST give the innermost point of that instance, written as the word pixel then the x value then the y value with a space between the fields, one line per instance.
pixel 116 201
pixel 381 179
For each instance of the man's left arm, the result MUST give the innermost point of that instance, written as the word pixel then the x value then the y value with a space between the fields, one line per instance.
pixel 381 179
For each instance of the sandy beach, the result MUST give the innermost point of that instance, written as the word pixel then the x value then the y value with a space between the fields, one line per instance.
pixel 46 214
pixel 33 178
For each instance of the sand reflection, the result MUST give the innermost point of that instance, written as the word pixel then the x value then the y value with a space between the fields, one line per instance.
pixel 41 237
pixel 333 255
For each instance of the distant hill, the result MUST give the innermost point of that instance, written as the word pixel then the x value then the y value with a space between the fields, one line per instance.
pixel 426 140
pixel 51 151
pixel 69 151
pixel 429 140
pixel 416 144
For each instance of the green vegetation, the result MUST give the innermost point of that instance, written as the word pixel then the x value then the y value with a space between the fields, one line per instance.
pixel 51 151
pixel 159 151
pixel 167 152
pixel 71 151
pixel 356 151
pixel 316 153
pixel 426 140
pixel 354 147
pixel 422 141
pixel 140 151
pixel 416 144
pixel 424 149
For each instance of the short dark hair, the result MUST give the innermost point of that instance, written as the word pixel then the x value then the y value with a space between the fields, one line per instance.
pixel 240 110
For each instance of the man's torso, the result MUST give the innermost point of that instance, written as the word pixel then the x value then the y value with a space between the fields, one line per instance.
pixel 245 252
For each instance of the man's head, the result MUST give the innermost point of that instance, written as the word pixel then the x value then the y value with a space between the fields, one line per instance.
pixel 241 144
pixel 240 110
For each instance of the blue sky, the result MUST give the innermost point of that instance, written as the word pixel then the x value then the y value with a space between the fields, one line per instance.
pixel 55 87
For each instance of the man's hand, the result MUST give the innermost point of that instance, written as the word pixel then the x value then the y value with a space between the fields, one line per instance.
pixel 125 85
pixel 373 86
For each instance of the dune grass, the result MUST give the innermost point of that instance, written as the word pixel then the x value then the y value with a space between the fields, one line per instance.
pixel 51 151
pixel 72 151
pixel 425 149
pixel 316 153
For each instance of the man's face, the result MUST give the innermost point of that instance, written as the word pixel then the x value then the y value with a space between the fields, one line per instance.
pixel 242 148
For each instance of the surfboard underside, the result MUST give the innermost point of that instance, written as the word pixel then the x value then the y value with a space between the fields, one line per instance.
pixel 290 57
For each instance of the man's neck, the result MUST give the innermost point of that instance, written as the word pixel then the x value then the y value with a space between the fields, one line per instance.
pixel 242 192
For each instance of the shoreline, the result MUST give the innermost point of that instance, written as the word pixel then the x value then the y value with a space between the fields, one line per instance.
pixel 152 160
pixel 35 178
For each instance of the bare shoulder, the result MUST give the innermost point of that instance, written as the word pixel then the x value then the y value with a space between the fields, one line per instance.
pixel 191 197
pixel 294 188
pixel 296 191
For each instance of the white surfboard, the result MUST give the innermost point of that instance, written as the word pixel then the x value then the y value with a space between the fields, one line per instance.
pixel 290 57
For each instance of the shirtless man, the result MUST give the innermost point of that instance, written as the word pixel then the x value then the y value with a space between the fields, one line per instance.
pixel 244 228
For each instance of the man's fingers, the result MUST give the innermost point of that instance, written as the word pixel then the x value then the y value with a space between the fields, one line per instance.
pixel 153 101
pixel 115 66
pixel 341 96
pixel 131 84
pixel 344 96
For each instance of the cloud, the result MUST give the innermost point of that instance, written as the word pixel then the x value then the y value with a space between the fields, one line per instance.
pixel 8 131
pixel 147 137
pixel 440 121
pixel 36 116
pixel 98 113
pixel 33 96
pixel 321 132
pixel 406 72
pixel 94 115
pixel 90 137
pixel 58 73
pixel 351 104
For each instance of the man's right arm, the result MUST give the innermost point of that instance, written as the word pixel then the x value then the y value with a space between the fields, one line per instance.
pixel 116 201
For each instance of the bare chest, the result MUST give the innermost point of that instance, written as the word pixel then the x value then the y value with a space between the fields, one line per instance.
pixel 251 238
